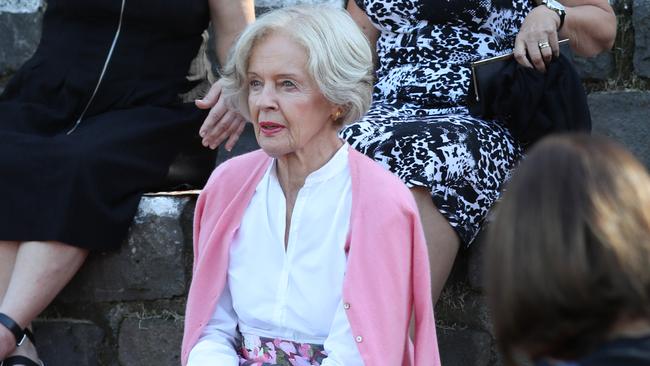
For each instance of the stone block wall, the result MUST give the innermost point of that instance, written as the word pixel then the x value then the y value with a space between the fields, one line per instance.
pixel 126 307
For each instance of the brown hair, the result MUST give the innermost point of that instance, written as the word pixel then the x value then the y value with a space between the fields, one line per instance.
pixel 569 250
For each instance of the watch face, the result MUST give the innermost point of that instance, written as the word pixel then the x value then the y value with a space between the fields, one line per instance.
pixel 553 5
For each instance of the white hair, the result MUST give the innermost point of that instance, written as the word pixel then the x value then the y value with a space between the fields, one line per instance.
pixel 339 57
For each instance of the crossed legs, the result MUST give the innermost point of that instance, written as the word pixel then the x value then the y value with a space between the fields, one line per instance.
pixel 442 241
pixel 31 275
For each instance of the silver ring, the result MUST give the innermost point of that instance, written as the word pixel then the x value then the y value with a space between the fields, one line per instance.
pixel 542 45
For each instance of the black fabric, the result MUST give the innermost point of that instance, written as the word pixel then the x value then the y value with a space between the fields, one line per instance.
pixel 19 360
pixel 534 104
pixel 618 352
pixel 83 188
pixel 621 352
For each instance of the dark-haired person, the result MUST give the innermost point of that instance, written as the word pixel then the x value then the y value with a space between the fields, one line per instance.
pixel 568 260
pixel 418 125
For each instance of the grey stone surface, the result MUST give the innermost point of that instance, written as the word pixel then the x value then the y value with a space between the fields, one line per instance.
pixel 19 6
pixel 641 22
pixel 281 3
pixel 465 347
pixel 600 67
pixel 21 33
pixel 624 116
pixel 460 307
pixel 154 341
pixel 150 265
pixel 263 6
pixel 65 342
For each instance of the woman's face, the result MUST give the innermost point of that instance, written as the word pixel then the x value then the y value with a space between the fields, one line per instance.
pixel 288 111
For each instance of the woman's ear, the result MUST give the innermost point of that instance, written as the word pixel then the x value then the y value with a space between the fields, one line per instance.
pixel 337 114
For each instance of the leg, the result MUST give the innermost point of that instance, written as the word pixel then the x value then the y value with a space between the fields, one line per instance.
pixel 41 270
pixel 442 241
pixel 8 251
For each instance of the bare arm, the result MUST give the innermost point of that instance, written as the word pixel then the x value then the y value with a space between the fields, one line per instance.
pixel 589 24
pixel 361 18
pixel 229 18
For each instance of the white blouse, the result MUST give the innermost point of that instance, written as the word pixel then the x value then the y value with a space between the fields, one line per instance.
pixel 294 294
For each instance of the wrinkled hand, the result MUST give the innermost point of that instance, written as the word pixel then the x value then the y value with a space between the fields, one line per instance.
pixel 539 28
pixel 221 123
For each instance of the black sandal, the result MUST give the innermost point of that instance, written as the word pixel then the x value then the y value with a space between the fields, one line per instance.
pixel 20 335
pixel 20 360
pixel 14 328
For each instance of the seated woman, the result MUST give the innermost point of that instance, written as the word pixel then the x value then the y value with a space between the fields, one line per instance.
pixel 418 125
pixel 306 252
pixel 568 259
pixel 92 121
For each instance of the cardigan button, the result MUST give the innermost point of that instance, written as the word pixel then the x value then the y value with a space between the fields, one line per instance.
pixel 359 339
pixel 346 305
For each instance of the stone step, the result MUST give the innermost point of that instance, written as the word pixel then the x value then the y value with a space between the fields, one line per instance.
pixel 126 307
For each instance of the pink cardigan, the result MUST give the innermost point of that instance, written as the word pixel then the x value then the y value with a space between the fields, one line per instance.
pixel 387 273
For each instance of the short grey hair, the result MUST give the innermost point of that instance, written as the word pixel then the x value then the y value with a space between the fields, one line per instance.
pixel 339 57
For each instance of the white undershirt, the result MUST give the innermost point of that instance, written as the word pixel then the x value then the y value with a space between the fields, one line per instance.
pixel 293 294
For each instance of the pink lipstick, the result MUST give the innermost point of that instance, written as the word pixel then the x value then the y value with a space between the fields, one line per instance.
pixel 269 128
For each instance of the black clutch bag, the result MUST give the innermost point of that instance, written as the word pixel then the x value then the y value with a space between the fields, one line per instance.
pixel 530 103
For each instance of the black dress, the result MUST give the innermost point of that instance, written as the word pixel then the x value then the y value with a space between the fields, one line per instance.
pixel 94 118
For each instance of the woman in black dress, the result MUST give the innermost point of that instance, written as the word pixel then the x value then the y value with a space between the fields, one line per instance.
pixel 87 125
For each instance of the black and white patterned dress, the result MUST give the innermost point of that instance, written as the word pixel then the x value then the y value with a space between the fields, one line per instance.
pixel 418 125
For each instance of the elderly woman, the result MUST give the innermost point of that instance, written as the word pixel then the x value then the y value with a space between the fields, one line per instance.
pixel 568 261
pixel 306 252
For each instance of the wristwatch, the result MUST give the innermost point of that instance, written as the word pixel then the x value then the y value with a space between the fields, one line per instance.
pixel 558 8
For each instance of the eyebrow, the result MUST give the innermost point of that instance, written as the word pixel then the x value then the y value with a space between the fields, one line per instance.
pixel 279 76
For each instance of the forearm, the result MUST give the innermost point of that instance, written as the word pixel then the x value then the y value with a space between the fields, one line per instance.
pixel 340 345
pixel 590 25
pixel 219 338
pixel 209 353
pixel 591 29
pixel 229 18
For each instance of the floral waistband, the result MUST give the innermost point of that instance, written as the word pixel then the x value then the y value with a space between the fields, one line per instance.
pixel 262 351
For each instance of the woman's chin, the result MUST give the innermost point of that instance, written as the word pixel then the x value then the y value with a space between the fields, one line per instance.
pixel 273 151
